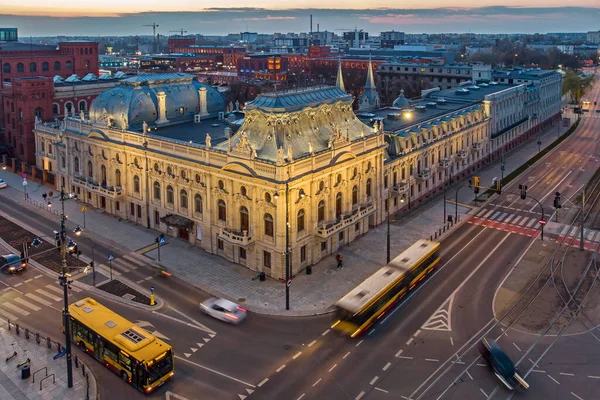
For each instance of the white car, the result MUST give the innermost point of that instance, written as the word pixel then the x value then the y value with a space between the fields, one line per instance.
pixel 224 310
pixel 2 184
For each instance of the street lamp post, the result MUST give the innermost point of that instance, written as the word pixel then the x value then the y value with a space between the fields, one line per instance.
pixel 77 232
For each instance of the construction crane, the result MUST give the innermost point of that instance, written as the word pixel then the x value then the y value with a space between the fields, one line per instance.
pixel 181 31
pixel 154 26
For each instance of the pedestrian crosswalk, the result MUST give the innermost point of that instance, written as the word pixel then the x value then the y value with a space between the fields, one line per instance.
pixel 24 304
pixel 120 265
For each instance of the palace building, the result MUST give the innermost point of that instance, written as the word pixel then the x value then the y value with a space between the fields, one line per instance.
pixel 298 167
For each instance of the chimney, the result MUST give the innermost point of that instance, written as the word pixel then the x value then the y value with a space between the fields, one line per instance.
pixel 202 100
pixel 162 108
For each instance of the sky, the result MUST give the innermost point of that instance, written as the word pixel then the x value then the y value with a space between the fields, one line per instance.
pixel 126 17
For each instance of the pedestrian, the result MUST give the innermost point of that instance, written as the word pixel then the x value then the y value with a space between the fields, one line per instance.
pixel 44 195
pixel 339 260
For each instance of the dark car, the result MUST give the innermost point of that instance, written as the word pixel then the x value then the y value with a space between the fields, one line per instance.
pixel 502 365
pixel 11 263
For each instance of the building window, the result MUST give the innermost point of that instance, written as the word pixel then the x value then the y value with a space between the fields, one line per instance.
pixel 220 244
pixel 357 227
pixel 55 109
pixel 355 195
pixel 57 65
pixel 6 68
pixel 76 165
pixel 338 206
pixel 118 178
pixel 82 105
pixel 32 67
pixel 63 162
pixel 303 253
pixel 156 191
pixel 243 191
pixel 68 65
pixel 368 188
pixel 86 64
pixel 198 204
pixel 139 211
pixel 323 246
pixel 45 66
pixel 268 225
pixel 103 175
pixel 244 219
pixel 90 169
pixel 198 178
pixel 117 205
pixel 321 211
pixel 136 184
pixel 300 221
pixel 131 209
pixel 183 199
pixel 170 194
pixel 156 218
pixel 385 182
pixel 266 259
pixel 222 210
pixel 20 67
pixel 221 185
pixel 242 253
pixel 68 107
pixel 341 237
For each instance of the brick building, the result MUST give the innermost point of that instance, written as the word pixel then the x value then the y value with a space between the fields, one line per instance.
pixel 227 55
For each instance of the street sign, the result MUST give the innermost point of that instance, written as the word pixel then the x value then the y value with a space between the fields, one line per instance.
pixel 163 240
pixel 111 257
pixel 289 283
pixel 84 208
pixel 152 289
pixel 24 176
pixel 542 222
pixel 24 182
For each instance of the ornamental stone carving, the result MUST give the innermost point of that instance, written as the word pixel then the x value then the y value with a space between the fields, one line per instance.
pixel 243 147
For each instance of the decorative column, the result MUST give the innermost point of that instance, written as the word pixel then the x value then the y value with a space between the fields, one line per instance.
pixel 203 101
pixel 162 108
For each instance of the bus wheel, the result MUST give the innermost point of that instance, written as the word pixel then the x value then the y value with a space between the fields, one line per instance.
pixel 124 376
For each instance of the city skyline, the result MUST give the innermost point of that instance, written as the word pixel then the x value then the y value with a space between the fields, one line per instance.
pixel 221 21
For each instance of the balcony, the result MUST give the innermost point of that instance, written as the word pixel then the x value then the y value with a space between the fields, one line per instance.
pixel 112 192
pixel 236 238
pixel 444 162
pixel 325 231
pixel 462 154
pixel 476 146
pixel 400 188
pixel 424 174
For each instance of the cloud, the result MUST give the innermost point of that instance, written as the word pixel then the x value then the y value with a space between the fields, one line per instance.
pixel 266 18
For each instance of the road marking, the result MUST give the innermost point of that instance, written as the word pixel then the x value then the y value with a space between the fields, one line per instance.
pixel 16 309
pixel 566 374
pixel 538 370
pixel 386 366
pixel 552 190
pixel 317 382
pixel 469 375
pixel 360 395
pixel 346 355
pixel 28 280
pixel 17 284
pixel 593 376
pixel 484 393
pixel 417 333
pixel 49 295
pixel 37 276
pixel 301 396
pixel 405 357
pixel 198 324
pixel 297 355
pixel 263 382
pixel 280 368
pixel 409 341
pixel 8 315
pixel 27 304
pixel 148 278
pixel 399 352
pixel 482 365
pixel 373 380
pixel 432 359
pixel 451 341
pixel 325 333
pixel 514 344
pixel 311 343
pixel 557 382
pixel 133 260
pixel 576 396
pixel 332 368
pixel 55 289
pixel 140 281
pixel 358 344
pixel 381 390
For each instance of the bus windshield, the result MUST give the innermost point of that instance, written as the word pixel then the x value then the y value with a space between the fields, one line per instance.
pixel 160 367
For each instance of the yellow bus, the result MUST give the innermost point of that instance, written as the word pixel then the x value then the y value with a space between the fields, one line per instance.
pixel 133 353
pixel 358 310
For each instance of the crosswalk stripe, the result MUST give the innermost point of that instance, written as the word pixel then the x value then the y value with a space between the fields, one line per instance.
pixel 531 222
pixel 590 234
pixel 38 299
pixel 595 239
pixel 564 230
pixel 27 304
pixel 573 231
pixel 73 288
pixel 16 309
pixel 49 295
pixel 106 270
pixel 488 213
pixel 495 215
pixel 525 219
pixel 516 219
pixel 121 265
pixel 503 216
pixel 55 289
pixel 134 260
pixel 8 315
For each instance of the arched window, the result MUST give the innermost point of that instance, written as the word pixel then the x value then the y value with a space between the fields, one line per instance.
pixel 136 184
pixel 20 67
pixel 156 168
pixel 300 221
pixel 32 67
pixel 118 178
pixel 39 113
pixel 244 219
pixel 156 191
pixel 86 64
pixel 321 211
pixel 183 199
pixel 222 210
pixel 198 179
pixel 268 225
pixel 368 188
pixel 243 191
pixel 170 194
pixel 68 107
pixel 45 66
pixel 103 175
pixel 198 204
pixel 221 185
pixel 321 186
pixel 76 165
pixel 55 109
pixel 57 65
pixel 82 105
pixel 68 65
pixel 6 68
pixel 355 195
pixel 338 205
pixel 90 169
pixel 338 179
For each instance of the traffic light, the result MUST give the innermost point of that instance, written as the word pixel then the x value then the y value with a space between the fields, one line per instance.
pixel 498 187
pixel 523 189
pixel 557 204
pixel 57 239
pixel 476 183
pixel 470 183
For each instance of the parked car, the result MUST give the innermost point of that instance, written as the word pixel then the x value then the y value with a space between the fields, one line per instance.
pixel 11 263
pixel 224 310
pixel 2 184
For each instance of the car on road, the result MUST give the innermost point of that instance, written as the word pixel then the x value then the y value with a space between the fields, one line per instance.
pixel 11 263
pixel 501 365
pixel 2 184
pixel 224 310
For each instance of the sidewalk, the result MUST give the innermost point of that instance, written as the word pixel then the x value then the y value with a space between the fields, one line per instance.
pixel 12 387
pixel 309 294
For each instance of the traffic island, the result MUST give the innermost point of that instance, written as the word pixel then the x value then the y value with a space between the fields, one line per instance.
pixel 120 289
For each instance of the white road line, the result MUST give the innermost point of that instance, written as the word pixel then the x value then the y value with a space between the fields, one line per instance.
pixel 593 376
pixel 451 341
pixel 417 333
pixel 311 343
pixel 332 368
pixel 197 324
pixel 514 344
pixel 358 344
pixel 76 290
pixel 280 368
pixel 148 278
pixel 140 281
pixel 524 221
pixel 49 295
pixel 27 304
pixel 55 289
pixel 552 190
pixel 346 355
pixel 28 280
pixel 217 372
pixel 37 276
pixel 405 357
pixel 538 370
pixel 566 374
pixel 484 393
pixel 133 260
pixel 325 333
pixel 373 380
pixel 557 382
pixel 39 299
pixel 469 375
pixel 399 352
pixel 297 355
pixel 8 315
pixel 432 359
pixel 360 395
pixel 317 382
pixel 381 390
pixel 386 366
pixel 16 309
pixel 17 284
pixel 487 214
pixel 301 396
pixel 409 341
pixel 482 365
pixel 531 223
pixel 263 382
pixel 576 396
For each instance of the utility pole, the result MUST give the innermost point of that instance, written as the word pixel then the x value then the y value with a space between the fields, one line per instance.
pixel 581 246
pixel 63 278
pixel 154 25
